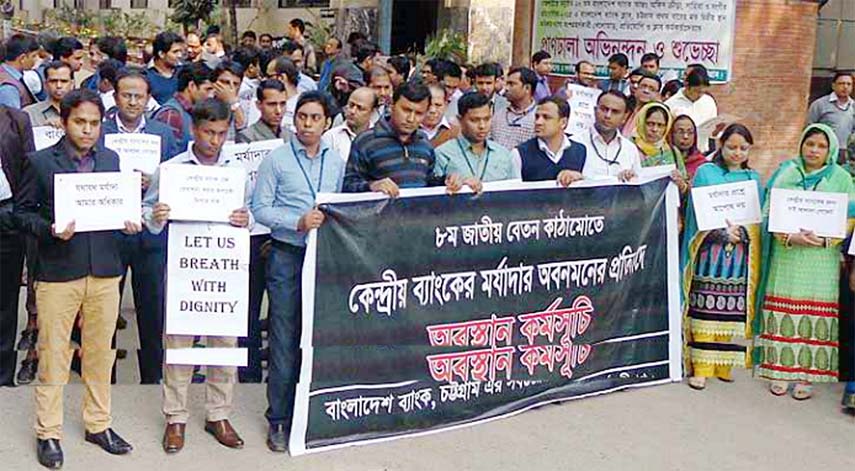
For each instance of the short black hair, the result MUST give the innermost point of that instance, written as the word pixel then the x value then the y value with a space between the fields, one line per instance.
pixel 196 72
pixel 246 57
pixel 619 59
pixel 269 84
pixel 434 64
pixel 616 94
pixel 18 45
pixel 540 56
pixel 840 73
pixel 413 90
pixel 646 74
pixel 698 77
pixel 314 96
pixel 671 87
pixel 578 66
pixel 248 34
pixel 77 97
pixel 290 46
pixel 264 59
pixel 489 69
pixel 113 47
pixel 401 65
pixel 210 109
pixel 227 66
pixel 285 66
pixel 108 69
pixel 365 51
pixel 55 65
pixel 299 24
pixel 527 76
pixel 449 69
pixel 471 101
pixel 337 41
pixel 131 73
pixel 265 35
pixel 650 56
pixel 64 47
pixel 636 72
pixel 561 103
pixel 163 42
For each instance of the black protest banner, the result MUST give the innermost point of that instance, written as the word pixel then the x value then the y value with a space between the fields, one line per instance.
pixel 432 311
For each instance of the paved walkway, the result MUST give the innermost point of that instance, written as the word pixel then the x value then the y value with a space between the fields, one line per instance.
pixel 727 427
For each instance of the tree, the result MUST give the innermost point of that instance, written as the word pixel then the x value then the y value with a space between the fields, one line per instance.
pixel 189 13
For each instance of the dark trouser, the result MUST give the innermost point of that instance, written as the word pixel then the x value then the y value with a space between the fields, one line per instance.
pixel 284 271
pixel 252 342
pixel 11 267
pixel 147 275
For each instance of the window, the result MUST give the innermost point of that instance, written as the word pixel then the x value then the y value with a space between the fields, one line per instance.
pixel 304 3
pixel 139 4
pixel 243 3
pixel 105 4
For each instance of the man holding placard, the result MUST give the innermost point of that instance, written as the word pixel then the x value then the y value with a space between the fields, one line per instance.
pixel 77 271
pixel 211 119
pixel 144 253
pixel 289 181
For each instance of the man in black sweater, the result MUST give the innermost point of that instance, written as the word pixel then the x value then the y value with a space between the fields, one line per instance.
pixel 78 272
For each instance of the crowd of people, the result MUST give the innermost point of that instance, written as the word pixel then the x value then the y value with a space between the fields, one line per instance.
pixel 352 120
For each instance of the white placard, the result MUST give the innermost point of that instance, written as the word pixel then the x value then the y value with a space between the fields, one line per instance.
pixel 207 275
pixel 207 356
pixel 96 201
pixel 251 155
pixel 46 136
pixel 583 103
pixel 680 32
pixel 715 205
pixel 202 193
pixel 137 152
pixel 823 213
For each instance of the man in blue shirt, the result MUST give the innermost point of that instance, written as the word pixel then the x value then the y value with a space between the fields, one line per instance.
pixel 289 180
pixel 20 54
pixel 541 63
pixel 168 49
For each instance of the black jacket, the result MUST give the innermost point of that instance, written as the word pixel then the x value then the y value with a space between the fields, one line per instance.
pixel 16 141
pixel 86 253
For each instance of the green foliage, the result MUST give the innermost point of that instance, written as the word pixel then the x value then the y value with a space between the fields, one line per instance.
pixel 189 13
pixel 66 20
pixel 448 45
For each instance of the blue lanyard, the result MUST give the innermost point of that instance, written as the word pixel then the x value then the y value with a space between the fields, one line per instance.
pixel 306 175
pixel 466 157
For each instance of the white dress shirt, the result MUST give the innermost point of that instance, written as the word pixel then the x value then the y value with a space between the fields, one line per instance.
pixel 340 138
pixel 701 111
pixel 607 160
pixel 555 157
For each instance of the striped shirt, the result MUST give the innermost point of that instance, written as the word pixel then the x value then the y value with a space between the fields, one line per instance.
pixel 379 153
pixel 511 127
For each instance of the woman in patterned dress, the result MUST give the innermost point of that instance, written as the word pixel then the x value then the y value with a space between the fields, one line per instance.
pixel 720 271
pixel 798 322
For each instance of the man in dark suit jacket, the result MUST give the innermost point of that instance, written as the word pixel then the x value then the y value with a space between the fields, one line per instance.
pixel 78 272
pixel 144 253
pixel 16 140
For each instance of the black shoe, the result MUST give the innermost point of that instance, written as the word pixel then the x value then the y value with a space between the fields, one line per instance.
pixel 121 323
pixel 110 442
pixel 28 370
pixel 276 439
pixel 29 338
pixel 49 453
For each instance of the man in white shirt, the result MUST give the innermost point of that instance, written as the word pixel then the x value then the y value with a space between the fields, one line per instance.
pixel 358 113
pixel 608 153
pixel 694 101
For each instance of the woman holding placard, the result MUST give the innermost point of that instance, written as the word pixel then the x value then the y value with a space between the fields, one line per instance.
pixel 720 271
pixel 798 322
pixel 652 125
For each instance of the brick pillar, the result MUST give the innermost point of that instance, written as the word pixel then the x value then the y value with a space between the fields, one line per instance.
pixel 772 65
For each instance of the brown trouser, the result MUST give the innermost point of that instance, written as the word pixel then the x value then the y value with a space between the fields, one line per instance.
pixel 219 382
pixel 97 299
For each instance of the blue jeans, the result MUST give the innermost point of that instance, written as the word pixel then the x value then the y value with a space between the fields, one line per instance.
pixel 284 272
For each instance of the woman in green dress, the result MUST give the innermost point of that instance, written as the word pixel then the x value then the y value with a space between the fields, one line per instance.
pixel 797 327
